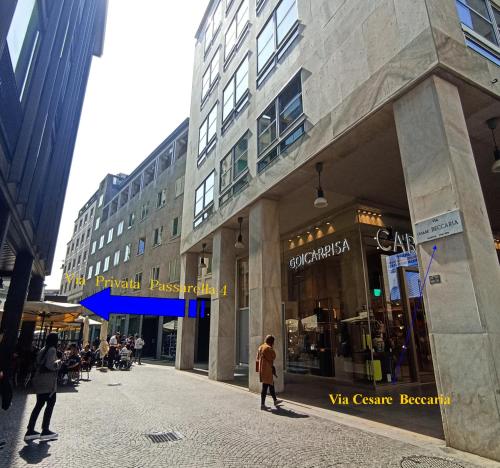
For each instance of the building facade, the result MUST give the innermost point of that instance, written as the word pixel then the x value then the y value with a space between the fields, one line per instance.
pixel 135 241
pixel 338 152
pixel 46 49
pixel 78 248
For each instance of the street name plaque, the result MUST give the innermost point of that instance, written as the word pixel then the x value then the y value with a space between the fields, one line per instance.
pixel 442 225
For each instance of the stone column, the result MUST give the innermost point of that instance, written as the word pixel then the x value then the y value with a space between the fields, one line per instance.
pixel 222 307
pixel 462 312
pixel 186 327
pixel 265 287
pixel 14 302
pixel 159 337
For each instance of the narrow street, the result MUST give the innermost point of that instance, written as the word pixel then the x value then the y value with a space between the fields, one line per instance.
pixel 103 423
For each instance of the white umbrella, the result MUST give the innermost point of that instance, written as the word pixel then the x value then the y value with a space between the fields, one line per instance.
pixel 91 321
pixel 104 330
pixel 86 331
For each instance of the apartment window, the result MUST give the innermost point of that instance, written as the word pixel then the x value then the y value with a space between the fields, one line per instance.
pixel 234 176
pixel 106 264
pixel 92 211
pixel 86 217
pixel 210 77
pixel 94 245
pixel 144 210
pixel 166 158
pixel 141 246
pixel 79 260
pixel 116 258
pixel 480 22
pixel 101 241
pixel 161 198
pixel 97 223
pixel 204 200
pixel 126 254
pixel 175 227
pixel 101 199
pixel 207 135
pixel 173 270
pixel 155 273
pixel 157 235
pixel 213 26
pixel 110 235
pixel 23 39
pixel 276 36
pixel 179 186
pixel 85 256
pixel 88 233
pixel 235 94
pixel 131 220
pixel 138 278
pixel 119 229
pixel 97 268
pixel 281 124
pixel 89 274
pixel 77 242
pixel 236 30
pixel 259 4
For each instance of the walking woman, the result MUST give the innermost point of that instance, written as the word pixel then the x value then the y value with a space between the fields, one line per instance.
pixel 265 360
pixel 45 386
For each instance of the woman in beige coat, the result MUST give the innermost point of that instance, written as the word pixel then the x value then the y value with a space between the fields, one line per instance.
pixel 265 360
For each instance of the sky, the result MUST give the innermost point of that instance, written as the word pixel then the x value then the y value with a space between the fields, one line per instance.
pixel 138 92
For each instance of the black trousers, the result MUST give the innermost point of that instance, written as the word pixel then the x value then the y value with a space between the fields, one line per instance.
pixel 6 391
pixel 42 399
pixel 111 356
pixel 263 394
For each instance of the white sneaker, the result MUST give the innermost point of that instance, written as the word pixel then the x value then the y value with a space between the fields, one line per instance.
pixel 48 435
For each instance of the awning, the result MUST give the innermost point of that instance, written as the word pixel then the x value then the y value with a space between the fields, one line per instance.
pixel 57 314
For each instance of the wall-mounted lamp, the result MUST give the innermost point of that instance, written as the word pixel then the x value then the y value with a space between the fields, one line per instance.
pixel 492 125
pixel 202 263
pixel 321 201
pixel 239 242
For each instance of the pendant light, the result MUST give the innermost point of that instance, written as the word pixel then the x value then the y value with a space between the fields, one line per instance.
pixel 492 125
pixel 321 201
pixel 202 263
pixel 239 242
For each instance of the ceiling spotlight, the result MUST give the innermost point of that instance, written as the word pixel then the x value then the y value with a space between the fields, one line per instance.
pixel 239 242
pixel 202 263
pixel 321 201
pixel 492 125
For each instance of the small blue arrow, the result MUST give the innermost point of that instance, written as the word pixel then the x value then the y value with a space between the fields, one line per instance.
pixel 104 304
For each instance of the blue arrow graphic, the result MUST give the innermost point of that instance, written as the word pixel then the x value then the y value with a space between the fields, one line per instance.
pixel 104 304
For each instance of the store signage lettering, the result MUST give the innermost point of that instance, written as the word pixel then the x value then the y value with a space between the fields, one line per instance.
pixel 439 226
pixel 404 242
pixel 335 248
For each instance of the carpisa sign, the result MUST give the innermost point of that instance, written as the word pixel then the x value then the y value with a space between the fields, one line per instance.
pixel 329 250
pixel 439 226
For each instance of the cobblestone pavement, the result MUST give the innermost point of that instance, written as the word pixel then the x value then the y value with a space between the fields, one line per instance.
pixel 103 422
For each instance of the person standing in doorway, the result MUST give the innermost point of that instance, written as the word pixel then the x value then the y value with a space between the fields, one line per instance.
pixel 45 386
pixel 265 360
pixel 139 344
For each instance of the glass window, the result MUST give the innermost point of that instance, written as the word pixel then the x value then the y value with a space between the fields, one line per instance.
pixel 230 37
pixel 119 229
pixel 97 223
pixel 161 198
pixel 116 258
pixel 94 245
pixel 106 264
pixel 175 227
pixel 101 199
pixel 208 130
pixel 266 127
pixel 236 89
pixel 155 273
pixel 110 235
pixel 232 167
pixel 475 15
pixel 138 277
pixel 131 220
pixel 126 254
pixel 144 210
pixel 290 104
pixel 179 186
pixel 157 235
pixel 236 28
pixel 226 166
pixel 89 274
pixel 210 75
pixel 213 25
pixel 141 246
pixel 204 196
pixel 101 241
pixel 97 268
pixel 273 35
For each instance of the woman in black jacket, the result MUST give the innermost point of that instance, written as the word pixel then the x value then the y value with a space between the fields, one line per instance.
pixel 45 386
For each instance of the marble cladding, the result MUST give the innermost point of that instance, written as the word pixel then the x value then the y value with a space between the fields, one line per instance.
pixel 186 327
pixel 222 310
pixel 265 287
pixel 463 317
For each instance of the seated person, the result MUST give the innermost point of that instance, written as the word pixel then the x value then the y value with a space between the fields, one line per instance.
pixel 72 363
pixel 125 357
pixel 87 357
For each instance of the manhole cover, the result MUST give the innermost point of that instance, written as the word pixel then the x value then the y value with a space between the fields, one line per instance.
pixel 428 462
pixel 158 437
